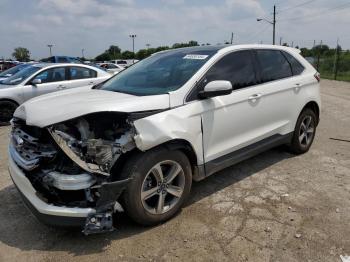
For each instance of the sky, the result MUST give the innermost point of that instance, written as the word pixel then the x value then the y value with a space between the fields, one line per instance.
pixel 94 25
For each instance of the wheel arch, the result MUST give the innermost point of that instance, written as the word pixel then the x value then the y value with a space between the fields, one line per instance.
pixel 176 144
pixel 313 105
pixel 9 100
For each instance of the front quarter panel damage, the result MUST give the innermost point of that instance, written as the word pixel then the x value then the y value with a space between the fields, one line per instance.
pixel 183 123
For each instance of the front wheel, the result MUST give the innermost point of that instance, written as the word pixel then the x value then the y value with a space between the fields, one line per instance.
pixel 7 108
pixel 161 182
pixel 304 132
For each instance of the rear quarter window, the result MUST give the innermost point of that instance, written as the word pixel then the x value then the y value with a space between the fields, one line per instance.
pixel 273 65
pixel 297 67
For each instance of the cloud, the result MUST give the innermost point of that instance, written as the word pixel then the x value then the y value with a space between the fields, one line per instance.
pixel 95 24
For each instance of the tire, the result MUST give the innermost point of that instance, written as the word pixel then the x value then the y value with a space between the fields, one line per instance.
pixel 7 108
pixel 146 179
pixel 304 133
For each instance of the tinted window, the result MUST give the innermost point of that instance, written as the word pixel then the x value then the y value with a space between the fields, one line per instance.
pixel 273 65
pixel 56 74
pixel 236 67
pixel 81 73
pixel 297 68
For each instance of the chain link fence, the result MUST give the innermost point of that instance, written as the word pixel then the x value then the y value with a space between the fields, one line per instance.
pixel 335 66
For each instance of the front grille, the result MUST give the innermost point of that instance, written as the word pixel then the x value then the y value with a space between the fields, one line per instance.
pixel 27 150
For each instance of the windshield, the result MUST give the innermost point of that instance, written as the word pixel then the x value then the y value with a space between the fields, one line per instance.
pixel 160 73
pixel 20 76
pixel 12 70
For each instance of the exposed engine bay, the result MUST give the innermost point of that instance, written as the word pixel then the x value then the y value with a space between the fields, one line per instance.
pixel 71 163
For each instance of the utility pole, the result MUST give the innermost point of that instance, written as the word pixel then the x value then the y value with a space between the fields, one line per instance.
pixel 274 24
pixel 280 40
pixel 133 46
pixel 50 46
pixel 82 53
pixel 231 38
pixel 318 56
pixel 292 43
pixel 336 60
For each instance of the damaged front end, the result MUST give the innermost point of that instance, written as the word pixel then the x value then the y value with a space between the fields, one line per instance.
pixel 70 164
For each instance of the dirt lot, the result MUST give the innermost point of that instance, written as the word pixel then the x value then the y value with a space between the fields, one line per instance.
pixel 274 207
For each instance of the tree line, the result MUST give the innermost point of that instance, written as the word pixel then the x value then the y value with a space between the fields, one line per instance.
pixel 114 52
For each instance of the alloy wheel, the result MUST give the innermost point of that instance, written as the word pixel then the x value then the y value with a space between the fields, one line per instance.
pixel 162 187
pixel 306 131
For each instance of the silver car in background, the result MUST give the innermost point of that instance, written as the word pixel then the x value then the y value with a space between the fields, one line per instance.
pixel 43 78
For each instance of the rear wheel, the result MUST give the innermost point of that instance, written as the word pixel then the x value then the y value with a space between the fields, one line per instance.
pixel 161 182
pixel 304 132
pixel 7 108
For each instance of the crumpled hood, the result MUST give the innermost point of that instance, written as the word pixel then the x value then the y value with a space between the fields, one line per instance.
pixel 64 105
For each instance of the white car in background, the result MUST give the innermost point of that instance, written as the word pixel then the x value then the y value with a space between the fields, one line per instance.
pixel 43 78
pixel 112 68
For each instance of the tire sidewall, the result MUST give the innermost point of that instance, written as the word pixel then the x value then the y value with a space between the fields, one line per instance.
pixel 132 196
pixel 296 143
pixel 8 104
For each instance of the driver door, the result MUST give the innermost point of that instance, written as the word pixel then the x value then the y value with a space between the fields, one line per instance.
pixel 52 79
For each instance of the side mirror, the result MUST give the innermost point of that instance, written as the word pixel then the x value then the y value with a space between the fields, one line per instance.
pixel 36 81
pixel 216 88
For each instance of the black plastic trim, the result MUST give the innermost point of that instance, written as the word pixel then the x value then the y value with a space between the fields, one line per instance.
pixel 235 157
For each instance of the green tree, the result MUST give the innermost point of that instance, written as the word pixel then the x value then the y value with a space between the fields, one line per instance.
pixel 128 55
pixel 21 54
pixel 113 52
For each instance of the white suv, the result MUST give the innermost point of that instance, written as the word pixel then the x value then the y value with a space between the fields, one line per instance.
pixel 137 141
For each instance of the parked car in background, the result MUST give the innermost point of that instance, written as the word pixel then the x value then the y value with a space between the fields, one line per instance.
pixel 61 59
pixel 4 65
pixel 141 137
pixel 125 62
pixel 13 70
pixel 112 68
pixel 42 78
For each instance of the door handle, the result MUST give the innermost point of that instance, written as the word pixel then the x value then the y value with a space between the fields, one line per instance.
pixel 91 83
pixel 61 87
pixel 254 97
pixel 297 87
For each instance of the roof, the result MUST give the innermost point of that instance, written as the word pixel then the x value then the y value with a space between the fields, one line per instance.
pixel 227 48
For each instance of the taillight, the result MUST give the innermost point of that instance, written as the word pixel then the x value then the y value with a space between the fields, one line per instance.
pixel 317 76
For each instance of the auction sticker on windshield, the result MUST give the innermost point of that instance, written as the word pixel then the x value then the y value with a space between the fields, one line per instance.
pixel 198 57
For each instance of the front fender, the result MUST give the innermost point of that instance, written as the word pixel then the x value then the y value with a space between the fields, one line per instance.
pixel 179 123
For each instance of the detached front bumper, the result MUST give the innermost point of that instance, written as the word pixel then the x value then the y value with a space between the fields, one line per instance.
pixel 47 213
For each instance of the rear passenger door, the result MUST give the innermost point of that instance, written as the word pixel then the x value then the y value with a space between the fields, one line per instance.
pixel 276 93
pixel 81 76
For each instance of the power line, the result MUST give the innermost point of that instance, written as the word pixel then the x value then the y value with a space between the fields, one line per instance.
pixel 324 12
pixel 295 6
pixel 258 32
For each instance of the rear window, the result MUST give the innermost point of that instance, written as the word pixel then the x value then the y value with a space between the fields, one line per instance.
pixel 81 73
pixel 273 65
pixel 297 67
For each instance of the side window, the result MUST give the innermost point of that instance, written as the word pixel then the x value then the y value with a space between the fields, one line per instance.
pixel 56 74
pixel 273 65
pixel 297 67
pixel 236 67
pixel 81 73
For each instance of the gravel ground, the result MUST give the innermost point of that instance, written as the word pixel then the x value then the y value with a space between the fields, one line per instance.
pixel 274 207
